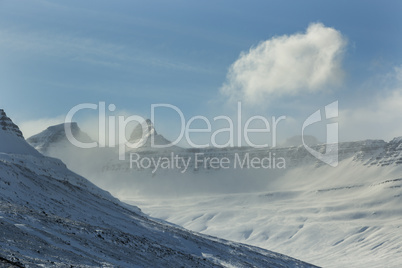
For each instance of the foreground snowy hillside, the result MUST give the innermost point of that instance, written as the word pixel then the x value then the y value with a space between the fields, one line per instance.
pixel 52 217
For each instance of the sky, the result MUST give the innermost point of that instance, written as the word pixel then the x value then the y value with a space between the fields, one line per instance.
pixel 278 58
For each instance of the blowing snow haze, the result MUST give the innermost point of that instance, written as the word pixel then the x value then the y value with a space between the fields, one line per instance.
pixel 200 134
pixel 45 222
pixel 310 196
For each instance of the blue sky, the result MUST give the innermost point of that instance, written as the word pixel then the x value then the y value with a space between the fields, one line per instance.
pixel 57 54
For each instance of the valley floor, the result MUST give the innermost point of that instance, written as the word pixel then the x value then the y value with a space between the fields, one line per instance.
pixel 346 224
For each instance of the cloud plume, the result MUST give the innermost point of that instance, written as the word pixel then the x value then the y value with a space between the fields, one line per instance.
pixel 287 65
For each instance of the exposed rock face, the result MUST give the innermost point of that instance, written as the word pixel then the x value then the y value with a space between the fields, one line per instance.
pixel 8 125
pixel 11 139
pixel 138 132
pixel 390 153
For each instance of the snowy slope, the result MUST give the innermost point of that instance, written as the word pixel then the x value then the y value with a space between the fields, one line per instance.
pixel 347 216
pixel 52 217
pixel 12 140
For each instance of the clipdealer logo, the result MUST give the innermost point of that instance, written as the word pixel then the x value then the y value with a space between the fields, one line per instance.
pixel 243 131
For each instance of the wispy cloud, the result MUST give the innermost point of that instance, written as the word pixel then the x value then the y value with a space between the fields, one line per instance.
pixel 287 65
pixel 88 50
pixel 66 46
pixel 379 118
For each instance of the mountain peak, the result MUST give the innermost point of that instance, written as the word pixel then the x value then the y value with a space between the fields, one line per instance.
pixel 7 125
pixel 54 134
pixel 12 140
pixel 138 132
pixel 145 132
pixel 60 128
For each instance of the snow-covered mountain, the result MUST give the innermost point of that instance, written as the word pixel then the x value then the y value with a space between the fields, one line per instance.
pixel 52 217
pixel 343 216
pixel 145 134
pixel 53 142
pixel 55 136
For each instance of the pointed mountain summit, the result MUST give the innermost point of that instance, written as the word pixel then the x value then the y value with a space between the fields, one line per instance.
pixel 11 139
pixel 138 132
pixel 57 135
pixel 8 125
pixel 144 133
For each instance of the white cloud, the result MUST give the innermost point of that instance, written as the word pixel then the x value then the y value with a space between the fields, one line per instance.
pixel 398 73
pixel 287 65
